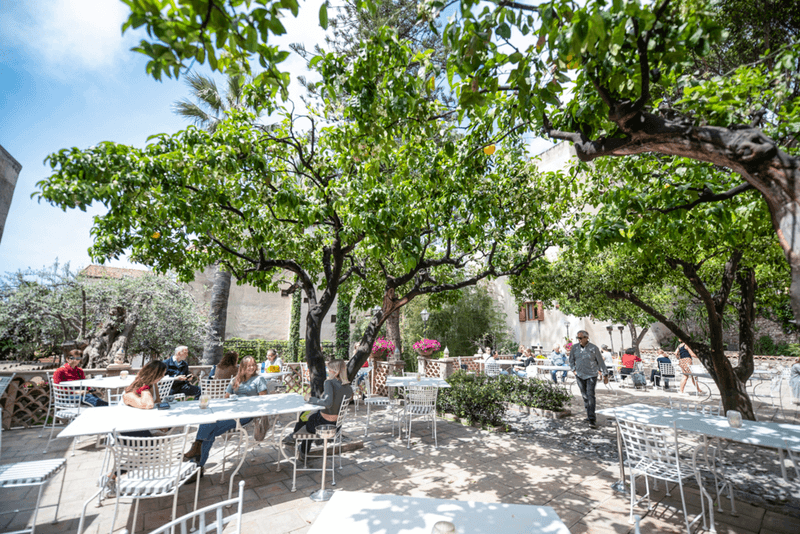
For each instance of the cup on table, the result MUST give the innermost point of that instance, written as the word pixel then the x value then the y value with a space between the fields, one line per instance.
pixel 444 527
pixel 204 400
pixel 734 418
pixel 123 374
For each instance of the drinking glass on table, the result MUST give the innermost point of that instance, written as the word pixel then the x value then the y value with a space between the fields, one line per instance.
pixel 204 400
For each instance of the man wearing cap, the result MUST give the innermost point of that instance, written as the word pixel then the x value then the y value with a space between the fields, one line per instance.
pixel 586 362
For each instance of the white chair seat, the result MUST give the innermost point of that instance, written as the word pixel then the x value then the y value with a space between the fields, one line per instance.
pixel 29 473
pixel 130 486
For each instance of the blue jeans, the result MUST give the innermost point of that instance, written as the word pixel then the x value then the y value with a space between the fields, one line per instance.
pixel 521 374
pixel 91 400
pixel 209 432
pixel 553 374
pixel 587 386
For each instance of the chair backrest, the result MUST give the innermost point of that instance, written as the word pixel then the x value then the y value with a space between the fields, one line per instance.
pixel 165 386
pixel 149 458
pixel 66 397
pixel 421 399
pixel 656 444
pixel 666 369
pixel 342 413
pixel 492 369
pixel 214 387
pixel 4 382
pixel 218 519
pixel 695 407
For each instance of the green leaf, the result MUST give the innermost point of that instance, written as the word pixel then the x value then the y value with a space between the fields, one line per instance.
pixel 323 15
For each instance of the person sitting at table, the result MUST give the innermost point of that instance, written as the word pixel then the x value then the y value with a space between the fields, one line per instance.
pixel 272 360
pixel 70 371
pixel 143 392
pixel 248 383
pixel 227 367
pixel 685 356
pixel 655 374
pixel 525 360
pixel 178 367
pixel 558 357
pixel 335 389
pixel 794 381
pixel 629 360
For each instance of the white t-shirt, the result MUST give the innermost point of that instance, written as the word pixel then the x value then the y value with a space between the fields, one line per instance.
pixel 266 363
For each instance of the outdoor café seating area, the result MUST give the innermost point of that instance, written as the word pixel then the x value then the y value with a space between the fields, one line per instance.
pixel 410 469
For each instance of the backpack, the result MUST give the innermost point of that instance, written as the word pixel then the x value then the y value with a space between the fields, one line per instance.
pixel 638 379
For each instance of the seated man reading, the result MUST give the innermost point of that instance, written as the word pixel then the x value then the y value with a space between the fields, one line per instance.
pixel 178 367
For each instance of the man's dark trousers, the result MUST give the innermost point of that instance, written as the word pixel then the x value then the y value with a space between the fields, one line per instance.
pixel 587 386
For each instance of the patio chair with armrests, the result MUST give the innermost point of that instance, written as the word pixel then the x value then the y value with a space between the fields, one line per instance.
pixel 217 524
pixel 667 373
pixel 303 435
pixel 420 404
pixel 67 405
pixel 652 451
pixel 148 468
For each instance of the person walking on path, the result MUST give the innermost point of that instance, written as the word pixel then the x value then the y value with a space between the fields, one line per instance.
pixel 586 362
pixel 685 356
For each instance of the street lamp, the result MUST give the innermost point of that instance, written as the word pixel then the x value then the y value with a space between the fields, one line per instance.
pixel 610 329
pixel 566 325
pixel 424 314
pixel 621 340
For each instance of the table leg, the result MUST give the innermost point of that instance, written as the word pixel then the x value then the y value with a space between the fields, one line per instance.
pixel 783 466
pixel 323 494
pixel 619 485
pixel 243 438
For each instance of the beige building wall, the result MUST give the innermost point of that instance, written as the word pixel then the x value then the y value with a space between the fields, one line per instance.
pixel 9 172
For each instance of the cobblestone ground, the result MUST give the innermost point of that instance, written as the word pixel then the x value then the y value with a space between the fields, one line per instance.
pixel 754 471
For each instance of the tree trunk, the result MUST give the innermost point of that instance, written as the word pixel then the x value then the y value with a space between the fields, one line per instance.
pixel 113 335
pixel 393 323
pixel 314 357
pixel 217 317
pixel 636 339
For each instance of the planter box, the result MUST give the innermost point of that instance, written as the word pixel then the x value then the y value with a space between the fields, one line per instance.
pixel 517 408
pixel 549 414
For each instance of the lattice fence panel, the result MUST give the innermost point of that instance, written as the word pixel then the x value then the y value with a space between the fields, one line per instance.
pixel 25 404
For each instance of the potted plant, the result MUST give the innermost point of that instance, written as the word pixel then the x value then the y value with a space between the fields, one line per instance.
pixel 426 347
pixel 382 348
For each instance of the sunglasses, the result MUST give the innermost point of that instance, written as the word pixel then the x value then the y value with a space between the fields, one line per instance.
pixel 583 337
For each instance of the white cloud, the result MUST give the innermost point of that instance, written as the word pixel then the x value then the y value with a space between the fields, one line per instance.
pixel 82 34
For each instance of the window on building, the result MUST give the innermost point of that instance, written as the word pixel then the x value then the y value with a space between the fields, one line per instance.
pixel 531 311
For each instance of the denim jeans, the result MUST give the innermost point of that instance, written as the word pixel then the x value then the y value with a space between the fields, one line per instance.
pixel 208 433
pixel 587 386
pixel 91 400
pixel 554 373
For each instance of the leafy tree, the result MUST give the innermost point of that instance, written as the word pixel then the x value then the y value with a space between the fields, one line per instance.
pixel 147 315
pixel 266 201
pixel 468 320
pixel 712 253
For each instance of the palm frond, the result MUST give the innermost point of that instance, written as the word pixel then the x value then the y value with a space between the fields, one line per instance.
pixel 192 111
pixel 205 90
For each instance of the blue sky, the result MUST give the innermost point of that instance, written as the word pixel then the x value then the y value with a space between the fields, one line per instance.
pixel 68 78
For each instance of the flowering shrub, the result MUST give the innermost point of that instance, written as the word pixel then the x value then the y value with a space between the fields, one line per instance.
pixel 382 347
pixel 427 346
pixel 567 346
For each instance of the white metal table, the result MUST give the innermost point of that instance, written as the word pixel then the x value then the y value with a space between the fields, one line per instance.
pixel 759 433
pixel 124 418
pixel 406 381
pixel 370 513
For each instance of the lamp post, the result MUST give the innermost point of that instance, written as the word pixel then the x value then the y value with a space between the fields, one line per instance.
pixel 425 315
pixel 621 339
pixel 610 329
pixel 566 325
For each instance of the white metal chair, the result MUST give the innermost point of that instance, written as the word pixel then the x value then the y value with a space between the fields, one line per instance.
pixel 302 436
pixel 165 388
pixel 66 402
pixel 149 468
pixel 420 404
pixel 36 473
pixel 667 373
pixel 371 400
pixel 219 522
pixel 49 404
pixel 215 388
pixel 652 451
pixel 774 383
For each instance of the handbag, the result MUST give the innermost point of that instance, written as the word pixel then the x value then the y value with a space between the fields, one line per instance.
pixel 263 425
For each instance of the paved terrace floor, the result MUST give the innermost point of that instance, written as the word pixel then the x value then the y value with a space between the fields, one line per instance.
pixel 470 464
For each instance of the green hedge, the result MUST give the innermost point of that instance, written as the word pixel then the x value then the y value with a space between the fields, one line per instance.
pixel 257 348
pixel 480 398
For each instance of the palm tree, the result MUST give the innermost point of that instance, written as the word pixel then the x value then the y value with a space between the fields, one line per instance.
pixel 207 112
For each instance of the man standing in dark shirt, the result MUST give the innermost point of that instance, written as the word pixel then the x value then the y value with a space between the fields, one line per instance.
pixel 179 368
pixel 586 362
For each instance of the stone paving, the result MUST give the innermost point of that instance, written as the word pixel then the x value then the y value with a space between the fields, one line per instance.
pixel 563 464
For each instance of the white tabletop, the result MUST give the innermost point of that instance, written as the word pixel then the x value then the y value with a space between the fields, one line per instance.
pixel 371 513
pixel 406 381
pixel 275 375
pixel 762 434
pixel 105 382
pixel 123 418
pixel 553 367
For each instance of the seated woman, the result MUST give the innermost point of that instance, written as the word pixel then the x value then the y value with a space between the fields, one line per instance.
pixel 143 392
pixel 335 389
pixel 526 358
pixel 247 383
pixel 227 366
pixel 629 360
pixel 794 381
